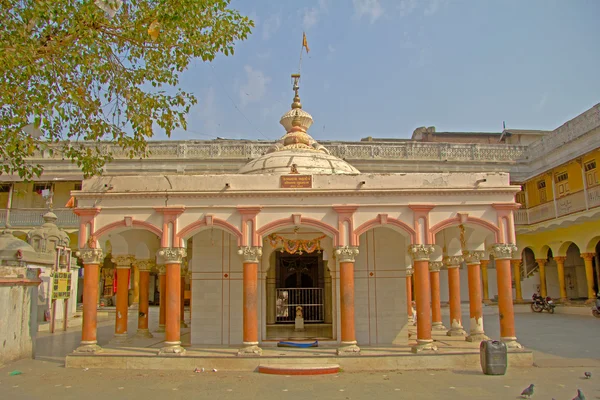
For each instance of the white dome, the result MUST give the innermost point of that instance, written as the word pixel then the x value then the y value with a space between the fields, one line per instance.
pixel 306 162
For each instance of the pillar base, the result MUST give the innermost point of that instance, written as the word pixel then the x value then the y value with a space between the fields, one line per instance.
pixel 348 349
pixel 161 329
pixel 143 334
pixel 456 331
pixel 171 349
pixel 88 348
pixel 590 301
pixel 183 325
pixel 423 346
pixel 511 343
pixel 119 338
pixel 250 349
pixel 477 337
pixel 487 302
pixel 438 326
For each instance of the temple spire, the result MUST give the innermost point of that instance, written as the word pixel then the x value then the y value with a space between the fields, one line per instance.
pixel 296 79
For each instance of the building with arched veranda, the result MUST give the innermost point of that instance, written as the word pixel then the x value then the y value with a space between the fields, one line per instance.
pixel 351 232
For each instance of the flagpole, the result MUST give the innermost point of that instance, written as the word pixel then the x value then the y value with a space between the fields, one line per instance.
pixel 301 51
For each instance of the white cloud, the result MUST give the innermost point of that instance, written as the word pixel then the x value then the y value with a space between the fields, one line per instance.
pixel 369 8
pixel 406 7
pixel 433 7
pixel 542 103
pixel 311 17
pixel 255 86
pixel 271 25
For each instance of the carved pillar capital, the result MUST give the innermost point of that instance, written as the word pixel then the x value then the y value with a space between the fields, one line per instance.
pixel 409 272
pixel 172 255
pixel 541 261
pixel 346 253
pixel 503 251
pixel 161 269
pixel 123 261
pixel 560 259
pixel 90 256
pixel 473 257
pixel 144 265
pixel 515 261
pixel 250 254
pixel 453 261
pixel 420 252
pixel 588 256
pixel 435 266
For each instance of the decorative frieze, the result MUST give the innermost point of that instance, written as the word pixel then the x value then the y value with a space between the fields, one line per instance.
pixel 420 252
pixel 123 261
pixel 91 256
pixel 502 250
pixel 250 254
pixel 435 266
pixel 172 255
pixel 473 257
pixel 346 253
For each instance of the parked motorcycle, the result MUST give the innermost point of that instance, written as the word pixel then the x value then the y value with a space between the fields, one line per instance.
pixel 540 304
pixel 596 309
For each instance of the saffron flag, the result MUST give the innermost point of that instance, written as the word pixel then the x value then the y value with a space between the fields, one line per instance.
pixel 70 203
pixel 304 42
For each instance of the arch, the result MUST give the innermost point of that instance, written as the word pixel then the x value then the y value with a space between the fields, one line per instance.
pixel 209 221
pixel 562 250
pixel 468 220
pixel 133 224
pixel 591 244
pixel 383 221
pixel 525 249
pixel 298 220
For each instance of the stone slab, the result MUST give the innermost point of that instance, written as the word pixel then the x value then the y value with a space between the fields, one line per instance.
pixel 297 369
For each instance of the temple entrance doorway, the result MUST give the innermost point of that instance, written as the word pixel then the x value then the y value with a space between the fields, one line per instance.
pixel 300 285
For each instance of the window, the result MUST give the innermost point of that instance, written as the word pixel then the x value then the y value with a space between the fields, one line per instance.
pixel 562 183
pixel 541 185
pixel 591 173
pixel 39 187
pixel 5 188
pixel 520 198
pixel 77 186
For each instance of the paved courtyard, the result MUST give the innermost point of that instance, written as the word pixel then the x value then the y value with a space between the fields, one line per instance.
pixel 565 346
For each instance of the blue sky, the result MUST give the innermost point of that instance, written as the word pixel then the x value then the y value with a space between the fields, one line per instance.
pixel 383 68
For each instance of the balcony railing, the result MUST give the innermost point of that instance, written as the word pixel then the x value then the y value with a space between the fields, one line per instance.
pixel 565 205
pixel 32 217
pixel 310 299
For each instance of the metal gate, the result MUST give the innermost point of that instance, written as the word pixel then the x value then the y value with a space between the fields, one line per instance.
pixel 310 299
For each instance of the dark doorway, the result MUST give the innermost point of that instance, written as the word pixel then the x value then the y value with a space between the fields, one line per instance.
pixel 299 282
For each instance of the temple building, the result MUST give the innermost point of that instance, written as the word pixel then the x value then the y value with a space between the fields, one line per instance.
pixel 328 240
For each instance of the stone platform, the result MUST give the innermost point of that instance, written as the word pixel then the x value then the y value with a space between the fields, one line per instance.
pixel 454 353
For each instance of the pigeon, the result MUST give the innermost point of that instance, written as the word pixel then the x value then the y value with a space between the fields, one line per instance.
pixel 587 375
pixel 580 395
pixel 527 392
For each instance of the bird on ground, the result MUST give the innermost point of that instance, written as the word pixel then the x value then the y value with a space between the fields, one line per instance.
pixel 580 395
pixel 587 375
pixel 527 392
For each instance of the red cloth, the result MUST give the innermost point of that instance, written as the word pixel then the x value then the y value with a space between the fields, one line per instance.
pixel 115 280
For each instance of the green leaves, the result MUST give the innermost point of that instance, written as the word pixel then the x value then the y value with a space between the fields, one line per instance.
pixel 85 78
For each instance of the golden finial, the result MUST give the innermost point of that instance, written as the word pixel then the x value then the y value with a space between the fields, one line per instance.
pixel 295 80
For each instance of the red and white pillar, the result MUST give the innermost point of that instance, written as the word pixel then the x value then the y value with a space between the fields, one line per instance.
pixel 436 301
pixel 502 256
pixel 91 258
pixel 123 269
pixel 453 265
pixel 172 258
pixel 346 255
pixel 476 332
pixel 251 256
pixel 420 254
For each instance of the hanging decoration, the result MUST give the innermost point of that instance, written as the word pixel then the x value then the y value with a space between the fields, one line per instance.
pixel 294 246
